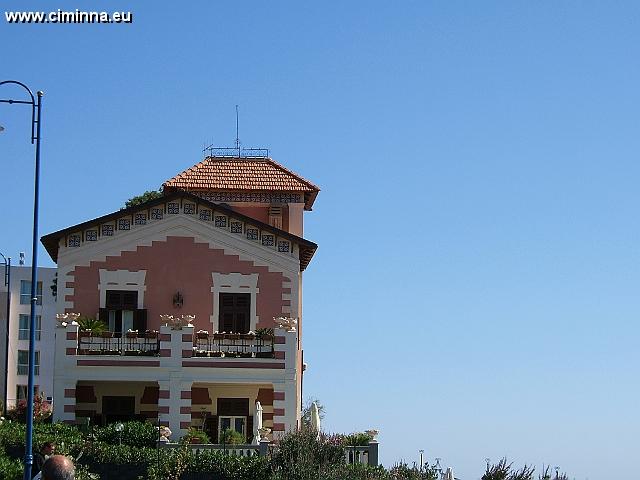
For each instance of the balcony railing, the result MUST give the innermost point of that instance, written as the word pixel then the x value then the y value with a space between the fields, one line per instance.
pixel 233 345
pixel 116 343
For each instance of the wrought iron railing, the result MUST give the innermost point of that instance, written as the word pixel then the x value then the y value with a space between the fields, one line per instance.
pixel 233 345
pixel 235 152
pixel 116 343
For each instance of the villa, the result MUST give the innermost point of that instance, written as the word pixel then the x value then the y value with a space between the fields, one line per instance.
pixel 200 291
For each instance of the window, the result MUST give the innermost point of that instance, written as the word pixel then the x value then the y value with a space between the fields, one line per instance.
pixel 238 424
pixel 23 363
pixel 233 413
pixel 121 312
pixel 25 292
pixel 23 332
pixel 21 391
pixel 235 312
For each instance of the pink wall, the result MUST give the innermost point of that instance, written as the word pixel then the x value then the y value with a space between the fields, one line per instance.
pixel 259 213
pixel 179 264
pixel 262 214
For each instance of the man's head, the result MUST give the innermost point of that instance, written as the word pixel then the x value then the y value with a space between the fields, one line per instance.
pixel 58 467
pixel 48 448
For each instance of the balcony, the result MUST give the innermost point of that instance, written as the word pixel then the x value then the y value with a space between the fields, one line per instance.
pixel 233 345
pixel 146 344
pixel 179 346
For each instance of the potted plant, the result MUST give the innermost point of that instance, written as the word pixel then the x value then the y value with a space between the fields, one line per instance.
pixel 231 437
pixel 195 436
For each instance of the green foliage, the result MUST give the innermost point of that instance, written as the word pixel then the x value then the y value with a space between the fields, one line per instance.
pixel 92 324
pixel 10 468
pixel 181 464
pixel 403 471
pixel 302 455
pixel 195 436
pixel 356 439
pixel 134 434
pixel 264 332
pixel 145 197
pixel 231 437
pixel 504 471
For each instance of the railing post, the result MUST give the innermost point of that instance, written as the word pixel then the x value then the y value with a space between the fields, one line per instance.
pixel 263 451
pixel 373 453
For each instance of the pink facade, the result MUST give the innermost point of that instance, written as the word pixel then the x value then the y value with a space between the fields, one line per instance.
pixel 179 265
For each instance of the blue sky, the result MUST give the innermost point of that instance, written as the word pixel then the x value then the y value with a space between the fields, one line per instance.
pixel 475 291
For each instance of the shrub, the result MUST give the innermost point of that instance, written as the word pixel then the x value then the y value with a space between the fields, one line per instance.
pixel 134 434
pixel 183 464
pixel 68 439
pixel 41 410
pixel 356 439
pixel 10 468
pixel 302 455
pixel 503 471
pixel 231 437
pixel 194 435
pixel 119 462
pixel 403 471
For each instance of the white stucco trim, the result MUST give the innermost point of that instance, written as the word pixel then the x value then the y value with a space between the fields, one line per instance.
pixel 180 226
pixel 122 280
pixel 235 283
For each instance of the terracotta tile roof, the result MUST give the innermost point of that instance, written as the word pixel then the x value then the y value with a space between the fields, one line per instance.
pixel 234 174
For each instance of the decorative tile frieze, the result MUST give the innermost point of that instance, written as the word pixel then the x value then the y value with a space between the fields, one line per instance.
pixel 156 214
pixel 283 246
pixel 249 197
pixel 205 214
pixel 124 224
pixel 189 208
pixel 74 240
pixel 236 227
pixel 268 240
pixel 107 230
pixel 140 219
pixel 173 208
pixel 221 221
pixel 252 233
pixel 91 235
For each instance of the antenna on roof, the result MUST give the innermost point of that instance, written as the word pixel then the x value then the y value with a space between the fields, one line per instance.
pixel 237 151
pixel 237 134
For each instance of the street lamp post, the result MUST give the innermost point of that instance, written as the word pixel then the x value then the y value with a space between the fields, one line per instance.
pixel 36 111
pixel 7 283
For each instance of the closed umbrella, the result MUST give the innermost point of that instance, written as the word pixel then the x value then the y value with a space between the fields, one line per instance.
pixel 448 474
pixel 257 424
pixel 315 418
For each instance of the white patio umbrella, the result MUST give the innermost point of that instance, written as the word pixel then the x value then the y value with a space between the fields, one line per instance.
pixel 448 474
pixel 257 424
pixel 315 418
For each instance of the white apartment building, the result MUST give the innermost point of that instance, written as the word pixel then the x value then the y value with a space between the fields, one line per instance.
pixel 18 359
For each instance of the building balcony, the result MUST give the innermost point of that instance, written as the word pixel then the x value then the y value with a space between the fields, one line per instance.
pixel 215 345
pixel 176 347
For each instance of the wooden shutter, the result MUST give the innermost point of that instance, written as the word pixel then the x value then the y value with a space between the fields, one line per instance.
pixel 140 320
pixel 235 309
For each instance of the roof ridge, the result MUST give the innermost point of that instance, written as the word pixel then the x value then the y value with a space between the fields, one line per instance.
pixel 291 172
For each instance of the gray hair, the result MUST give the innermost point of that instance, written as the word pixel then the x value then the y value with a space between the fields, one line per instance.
pixel 58 467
